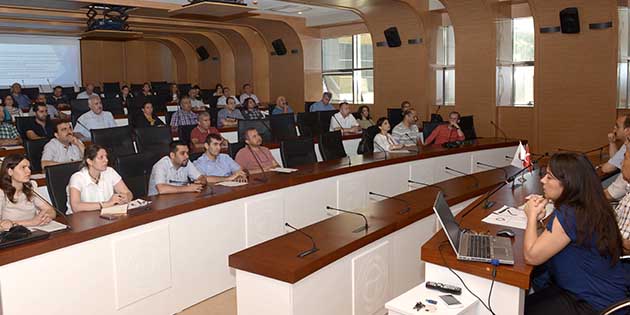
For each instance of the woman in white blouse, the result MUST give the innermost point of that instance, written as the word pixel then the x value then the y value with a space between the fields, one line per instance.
pixel 96 186
pixel 383 140
pixel 19 204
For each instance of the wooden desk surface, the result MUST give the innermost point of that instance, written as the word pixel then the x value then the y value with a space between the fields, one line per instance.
pixel 88 225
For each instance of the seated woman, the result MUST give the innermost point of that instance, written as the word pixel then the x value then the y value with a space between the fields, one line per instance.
pixel 146 89
pixel 126 97
pixel 8 133
pixel 282 107
pixel 580 245
pixel 365 120
pixel 146 117
pixel 19 204
pixel 174 93
pixel 384 142
pixel 96 186
pixel 250 110
pixel 218 90
pixel 10 108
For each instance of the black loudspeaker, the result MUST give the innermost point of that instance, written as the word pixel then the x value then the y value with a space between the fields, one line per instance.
pixel 570 21
pixel 278 46
pixel 203 53
pixel 392 37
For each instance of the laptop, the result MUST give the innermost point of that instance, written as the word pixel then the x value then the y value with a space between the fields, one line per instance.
pixel 468 245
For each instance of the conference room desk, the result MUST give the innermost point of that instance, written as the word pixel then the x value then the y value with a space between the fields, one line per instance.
pixel 174 254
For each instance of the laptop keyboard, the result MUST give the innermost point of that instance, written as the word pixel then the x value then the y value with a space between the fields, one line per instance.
pixel 479 246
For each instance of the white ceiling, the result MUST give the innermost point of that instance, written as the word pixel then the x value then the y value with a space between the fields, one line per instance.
pixel 314 15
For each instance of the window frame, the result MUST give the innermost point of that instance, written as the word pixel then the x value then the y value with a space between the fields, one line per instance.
pixel 513 65
pixel 444 50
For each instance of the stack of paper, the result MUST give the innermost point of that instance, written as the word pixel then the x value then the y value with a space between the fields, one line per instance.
pixel 50 227
pixel 284 170
pixel 513 217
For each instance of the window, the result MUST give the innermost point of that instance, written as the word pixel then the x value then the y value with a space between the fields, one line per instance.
pixel 445 66
pixel 348 69
pixel 515 59
pixel 623 66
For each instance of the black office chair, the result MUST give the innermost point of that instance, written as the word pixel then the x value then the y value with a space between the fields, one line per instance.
pixel 31 92
pixel 57 179
pixel 153 139
pixel 21 123
pixel 331 146
pixel 297 152
pixel 214 116
pixel 168 117
pixel 69 92
pixel 193 156
pixel 429 126
pixel 135 171
pixel 233 148
pixel 110 89
pixel 467 124
pixel 184 133
pixel 118 140
pixel 136 88
pixel 113 105
pixel 307 106
pixel 34 150
pixel 308 124
pixel 261 125
pixel 394 116
pixel 283 126
pixel 324 118
pixel 367 140
pixel 184 88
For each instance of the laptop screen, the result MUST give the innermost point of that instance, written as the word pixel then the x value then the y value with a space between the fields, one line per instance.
pixel 443 211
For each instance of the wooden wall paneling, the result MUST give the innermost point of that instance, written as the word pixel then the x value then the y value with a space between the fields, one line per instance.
pixel 209 70
pixel 101 61
pixel 575 79
pixel 516 122
pixel 160 62
pixel 260 62
pixel 243 63
pixel 226 59
pixel 179 55
pixel 135 62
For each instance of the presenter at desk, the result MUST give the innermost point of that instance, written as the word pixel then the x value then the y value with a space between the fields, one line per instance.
pixel 580 246
pixel 448 132
pixel 96 186
pixel 175 174
pixel 383 141
pixel 254 158
pixel 19 205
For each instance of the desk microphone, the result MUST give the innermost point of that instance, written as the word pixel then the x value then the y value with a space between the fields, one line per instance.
pixel 56 210
pixel 497 128
pixel 426 185
pixel 380 148
pixel 363 228
pixel 494 167
pixel 446 168
pixel 403 211
pixel 415 142
pixel 308 251
pixel 82 125
pixel 264 179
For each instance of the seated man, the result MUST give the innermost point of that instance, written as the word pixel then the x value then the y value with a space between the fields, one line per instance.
pixel 254 158
pixel 623 209
pixel 57 99
pixel 218 167
pixel 407 132
pixel 448 132
pixel 200 133
pixel 174 174
pixel 621 132
pixel 23 101
pixel 323 105
pixel 96 118
pixel 248 93
pixel 8 133
pixel 89 91
pixel 344 120
pixel 52 110
pixel 222 101
pixel 64 147
pixel 196 102
pixel 229 116
pixel 184 116
pixel 40 127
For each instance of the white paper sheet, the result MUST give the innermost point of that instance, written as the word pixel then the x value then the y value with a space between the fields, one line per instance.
pixel 284 170
pixel 50 227
pixel 231 184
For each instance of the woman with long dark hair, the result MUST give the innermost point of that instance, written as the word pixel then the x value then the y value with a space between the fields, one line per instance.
pixel 96 185
pixel 383 141
pixel 581 244
pixel 250 110
pixel 365 119
pixel 19 204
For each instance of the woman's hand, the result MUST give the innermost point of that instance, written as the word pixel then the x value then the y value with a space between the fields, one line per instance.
pixel 42 218
pixel 116 199
pixel 535 207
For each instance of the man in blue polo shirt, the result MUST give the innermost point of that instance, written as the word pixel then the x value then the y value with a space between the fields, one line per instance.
pixel 216 166
pixel 323 105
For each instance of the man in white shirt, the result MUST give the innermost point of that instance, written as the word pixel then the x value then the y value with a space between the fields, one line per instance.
pixel 64 147
pixel 175 174
pixel 248 93
pixel 89 91
pixel 96 118
pixel 407 132
pixel 193 93
pixel 344 120
pixel 222 101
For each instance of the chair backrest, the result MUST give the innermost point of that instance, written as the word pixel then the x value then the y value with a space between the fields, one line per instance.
pixel 111 88
pixel 68 92
pixel 297 152
pixel 367 140
pixel 113 105
pixel 136 88
pixel 135 172
pixel 307 106
pixel 153 136
pixel 283 126
pixel 331 146
pixel 262 125
pixel 57 179
pixel 233 148
pixel 118 140
pixel 184 133
pixel 308 124
pixel 31 92
pixel 394 116
pixel 324 118
pixel 184 88
pixel 214 115
pixel 169 115
pixel 428 127
pixel 34 149
pixel 21 123
pixel 79 106
pixel 467 124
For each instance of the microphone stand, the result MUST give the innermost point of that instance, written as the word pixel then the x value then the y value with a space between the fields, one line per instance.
pixel 403 211
pixel 308 251
pixel 465 174
pixel 381 148
pixel 363 228
pixel 56 210
pixel 426 185
pixel 494 167
pixel 262 169
pixel 415 142
pixel 496 127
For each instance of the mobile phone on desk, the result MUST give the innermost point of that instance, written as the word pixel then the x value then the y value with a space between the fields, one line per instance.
pixel 451 301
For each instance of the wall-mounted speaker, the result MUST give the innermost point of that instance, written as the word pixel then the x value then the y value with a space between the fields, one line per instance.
pixel 278 47
pixel 570 21
pixel 203 53
pixel 392 37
